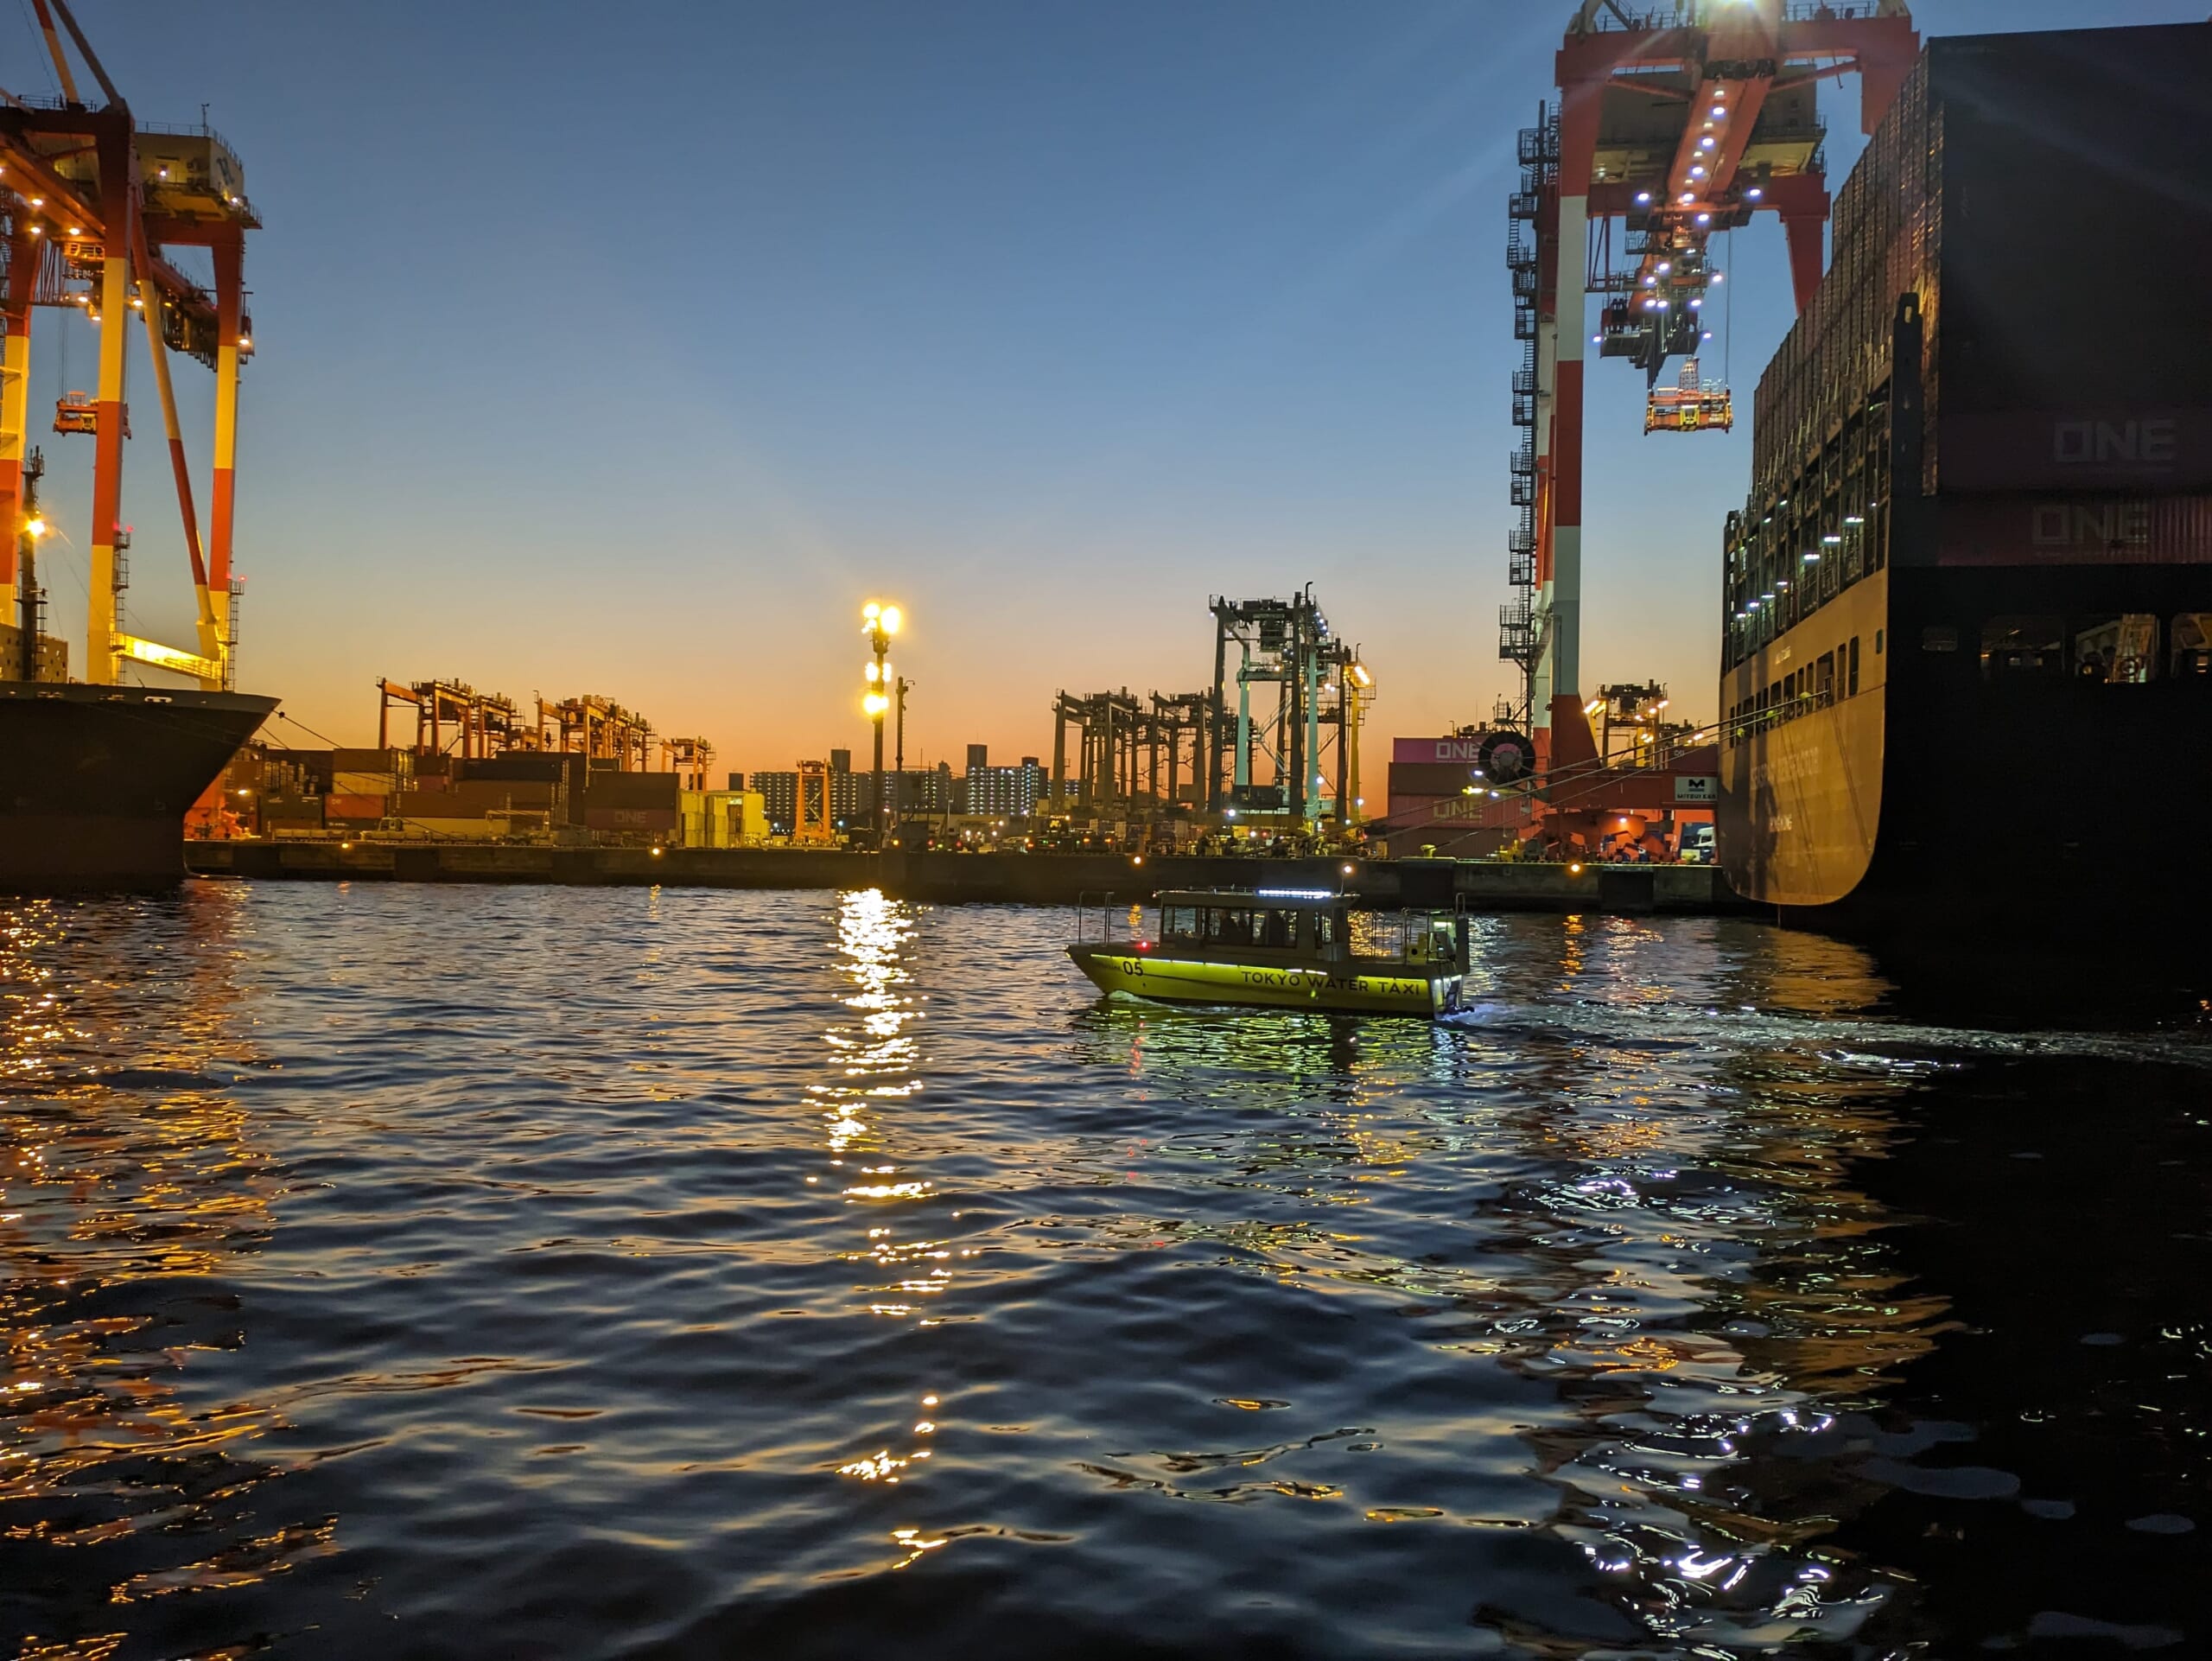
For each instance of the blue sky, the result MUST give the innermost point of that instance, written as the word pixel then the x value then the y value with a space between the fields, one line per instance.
pixel 628 350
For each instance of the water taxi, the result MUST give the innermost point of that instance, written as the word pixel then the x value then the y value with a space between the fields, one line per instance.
pixel 1285 948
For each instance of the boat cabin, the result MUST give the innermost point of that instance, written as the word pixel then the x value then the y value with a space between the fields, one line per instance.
pixel 1285 924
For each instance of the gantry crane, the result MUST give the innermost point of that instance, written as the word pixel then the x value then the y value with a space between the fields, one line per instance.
pixel 1681 124
pixel 603 729
pixel 90 200
pixel 481 724
pixel 690 758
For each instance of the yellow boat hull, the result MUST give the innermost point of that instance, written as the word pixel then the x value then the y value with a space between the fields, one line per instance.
pixel 1174 980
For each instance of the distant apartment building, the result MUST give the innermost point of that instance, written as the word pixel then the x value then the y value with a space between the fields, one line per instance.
pixel 924 792
pixel 1003 793
pixel 918 792
pixel 851 796
pixel 779 800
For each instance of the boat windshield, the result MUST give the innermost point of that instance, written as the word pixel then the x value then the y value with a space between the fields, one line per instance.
pixel 1241 925
pixel 1266 926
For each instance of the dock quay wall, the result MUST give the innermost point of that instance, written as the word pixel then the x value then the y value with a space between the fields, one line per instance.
pixel 950 878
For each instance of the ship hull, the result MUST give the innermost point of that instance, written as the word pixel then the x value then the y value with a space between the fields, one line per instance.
pixel 1802 799
pixel 1957 791
pixel 95 780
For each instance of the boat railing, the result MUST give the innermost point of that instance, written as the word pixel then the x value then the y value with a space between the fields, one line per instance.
pixel 1099 914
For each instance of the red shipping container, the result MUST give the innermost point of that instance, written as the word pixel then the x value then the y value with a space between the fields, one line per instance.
pixel 1434 751
pixel 630 819
pixel 1432 778
pixel 352 807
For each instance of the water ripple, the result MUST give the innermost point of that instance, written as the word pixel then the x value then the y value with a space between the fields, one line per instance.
pixel 396 1271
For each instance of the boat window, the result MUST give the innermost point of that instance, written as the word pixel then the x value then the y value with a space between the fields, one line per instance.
pixel 1378 934
pixel 2191 640
pixel 2123 650
pixel 1228 928
pixel 1826 680
pixel 2017 648
pixel 1278 928
pixel 1178 923
pixel 1851 682
pixel 1325 928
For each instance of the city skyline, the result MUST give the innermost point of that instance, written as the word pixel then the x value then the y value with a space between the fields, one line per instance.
pixel 1047 325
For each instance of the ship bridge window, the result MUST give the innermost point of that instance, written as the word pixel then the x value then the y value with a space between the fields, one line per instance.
pixel 2023 648
pixel 2122 650
pixel 2191 643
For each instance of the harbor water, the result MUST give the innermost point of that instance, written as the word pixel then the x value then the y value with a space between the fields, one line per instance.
pixel 396 1271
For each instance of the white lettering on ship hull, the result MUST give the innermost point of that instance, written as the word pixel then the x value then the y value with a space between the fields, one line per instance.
pixel 1791 767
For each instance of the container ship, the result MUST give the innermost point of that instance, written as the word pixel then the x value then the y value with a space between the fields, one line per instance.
pixel 95 780
pixel 1966 659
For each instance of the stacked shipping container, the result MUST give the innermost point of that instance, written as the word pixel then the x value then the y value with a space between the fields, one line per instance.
pixel 1976 558
pixel 2034 196
pixel 1819 518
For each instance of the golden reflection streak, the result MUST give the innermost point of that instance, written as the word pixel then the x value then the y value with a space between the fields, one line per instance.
pixel 873 1065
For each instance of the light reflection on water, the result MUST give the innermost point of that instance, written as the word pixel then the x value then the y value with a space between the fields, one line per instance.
pixel 591 1273
pixel 135 1191
pixel 1670 1247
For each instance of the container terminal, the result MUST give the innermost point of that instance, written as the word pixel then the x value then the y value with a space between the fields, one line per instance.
pixel 1265 760
pixel 1990 459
